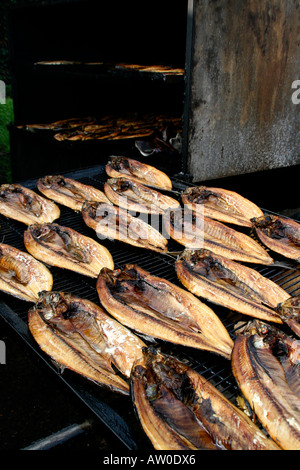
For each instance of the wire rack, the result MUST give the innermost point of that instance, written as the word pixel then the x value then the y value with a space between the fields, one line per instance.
pixel 116 411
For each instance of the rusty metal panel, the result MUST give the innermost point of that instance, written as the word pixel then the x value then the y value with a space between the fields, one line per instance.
pixel 243 113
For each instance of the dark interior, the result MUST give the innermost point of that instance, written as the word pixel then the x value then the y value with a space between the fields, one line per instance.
pixel 93 36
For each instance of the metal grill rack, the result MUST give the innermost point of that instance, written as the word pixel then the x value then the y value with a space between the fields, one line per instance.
pixel 116 411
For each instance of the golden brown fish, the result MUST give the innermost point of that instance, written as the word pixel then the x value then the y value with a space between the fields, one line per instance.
pixel 230 284
pixel 80 336
pixel 159 309
pixel 115 223
pixel 180 410
pixel 137 197
pixel 21 275
pixel 280 234
pixel 69 192
pixel 23 204
pixel 192 230
pixel 65 248
pixel 221 204
pixel 122 167
pixel 289 312
pixel 257 367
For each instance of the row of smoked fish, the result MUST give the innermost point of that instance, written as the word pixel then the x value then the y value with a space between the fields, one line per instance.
pixel 112 344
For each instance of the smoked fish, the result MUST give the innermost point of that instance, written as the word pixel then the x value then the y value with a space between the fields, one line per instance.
pixel 115 223
pixel 123 167
pixel 280 234
pixel 25 205
pixel 69 192
pixel 137 197
pixel 66 248
pixel 181 410
pixel 193 230
pixel 230 284
pixel 265 364
pixel 80 336
pixel 289 312
pixel 159 309
pixel 221 204
pixel 21 275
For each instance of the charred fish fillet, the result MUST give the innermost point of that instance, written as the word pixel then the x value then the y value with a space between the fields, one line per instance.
pixel 112 222
pixel 69 192
pixel 80 336
pixel 21 275
pixel 264 382
pixel 137 197
pixel 280 234
pixel 180 410
pixel 65 248
pixel 289 312
pixel 230 284
pixel 122 167
pixel 159 309
pixel 192 230
pixel 26 206
pixel 221 204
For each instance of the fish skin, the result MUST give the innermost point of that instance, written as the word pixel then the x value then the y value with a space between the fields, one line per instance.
pixel 113 222
pixel 221 204
pixel 230 284
pixel 137 197
pixel 180 410
pixel 194 231
pixel 280 234
pixel 21 275
pixel 159 309
pixel 69 192
pixel 80 336
pixel 262 380
pixel 25 205
pixel 118 167
pixel 65 248
pixel 289 312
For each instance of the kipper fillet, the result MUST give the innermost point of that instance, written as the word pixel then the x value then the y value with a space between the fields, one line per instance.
pixel 257 364
pixel 69 192
pixel 26 206
pixel 180 410
pixel 221 204
pixel 230 284
pixel 280 234
pixel 158 308
pixel 137 197
pixel 80 336
pixel 115 223
pixel 65 248
pixel 21 275
pixel 118 167
pixel 193 230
